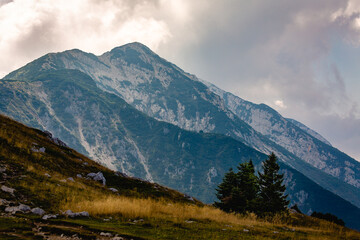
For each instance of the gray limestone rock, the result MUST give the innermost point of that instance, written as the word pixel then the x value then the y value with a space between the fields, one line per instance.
pixel 7 189
pixel 97 177
pixel 38 211
pixel 49 216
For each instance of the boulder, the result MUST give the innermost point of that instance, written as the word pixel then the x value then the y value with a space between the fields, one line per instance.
pixel 97 177
pixel 72 214
pixel 20 208
pixel 7 189
pixel 49 216
pixel 114 190
pixel 42 149
pixel 38 211
pixel 11 209
pixel 71 179
pixel 105 234
pixel 4 202
pixel 188 197
pixel 24 208
pixel 55 140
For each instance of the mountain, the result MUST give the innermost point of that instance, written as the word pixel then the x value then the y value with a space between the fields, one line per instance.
pixel 294 137
pixel 308 131
pixel 164 91
pixel 100 124
pixel 50 191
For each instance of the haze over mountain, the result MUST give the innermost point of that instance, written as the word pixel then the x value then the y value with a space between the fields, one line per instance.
pixel 78 97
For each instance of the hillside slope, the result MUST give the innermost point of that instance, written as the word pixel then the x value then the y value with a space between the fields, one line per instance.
pixel 140 146
pixel 41 178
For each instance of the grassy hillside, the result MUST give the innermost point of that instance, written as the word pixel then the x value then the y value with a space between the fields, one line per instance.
pixel 44 174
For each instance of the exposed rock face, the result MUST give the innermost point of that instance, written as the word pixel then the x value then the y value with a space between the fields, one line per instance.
pixel 55 140
pixel 294 136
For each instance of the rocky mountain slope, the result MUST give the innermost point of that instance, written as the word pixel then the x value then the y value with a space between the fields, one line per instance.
pixel 294 137
pixel 70 105
pixel 41 178
pixel 165 92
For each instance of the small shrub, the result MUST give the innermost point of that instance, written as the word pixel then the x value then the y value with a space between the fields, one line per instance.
pixel 328 217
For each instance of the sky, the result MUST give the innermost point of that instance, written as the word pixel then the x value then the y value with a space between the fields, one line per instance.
pixel 300 57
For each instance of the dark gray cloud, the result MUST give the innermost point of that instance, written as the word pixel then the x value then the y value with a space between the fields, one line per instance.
pixel 277 52
pixel 344 132
pixel 3 2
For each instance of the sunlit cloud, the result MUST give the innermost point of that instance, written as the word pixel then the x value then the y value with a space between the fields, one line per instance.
pixel 280 104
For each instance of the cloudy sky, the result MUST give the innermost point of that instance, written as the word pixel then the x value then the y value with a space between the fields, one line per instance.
pixel 300 57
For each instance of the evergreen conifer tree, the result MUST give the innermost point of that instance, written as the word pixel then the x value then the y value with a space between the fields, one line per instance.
pixel 247 192
pixel 271 197
pixel 239 191
pixel 225 192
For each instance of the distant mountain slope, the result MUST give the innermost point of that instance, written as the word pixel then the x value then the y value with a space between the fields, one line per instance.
pixel 68 103
pixel 294 137
pixel 309 131
pixel 162 90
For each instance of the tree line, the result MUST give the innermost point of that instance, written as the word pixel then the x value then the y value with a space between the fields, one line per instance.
pixel 262 194
pixel 244 191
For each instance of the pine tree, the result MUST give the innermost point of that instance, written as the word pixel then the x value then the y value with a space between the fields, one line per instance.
pixel 272 198
pixel 248 188
pixel 238 192
pixel 225 192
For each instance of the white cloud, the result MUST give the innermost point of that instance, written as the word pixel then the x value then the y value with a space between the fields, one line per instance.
pixel 280 104
pixel 31 28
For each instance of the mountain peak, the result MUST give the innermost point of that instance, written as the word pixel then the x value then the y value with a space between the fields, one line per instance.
pixel 135 46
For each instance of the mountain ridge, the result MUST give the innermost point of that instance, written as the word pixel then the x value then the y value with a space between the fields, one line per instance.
pixel 290 134
pixel 167 93
pixel 162 91
pixel 191 162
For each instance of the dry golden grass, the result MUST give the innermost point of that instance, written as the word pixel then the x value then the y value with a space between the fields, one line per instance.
pixel 149 208
pixel 134 208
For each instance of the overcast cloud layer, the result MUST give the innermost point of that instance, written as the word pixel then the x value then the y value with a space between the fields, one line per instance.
pixel 300 57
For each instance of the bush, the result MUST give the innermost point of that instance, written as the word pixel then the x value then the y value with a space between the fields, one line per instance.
pixel 328 217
